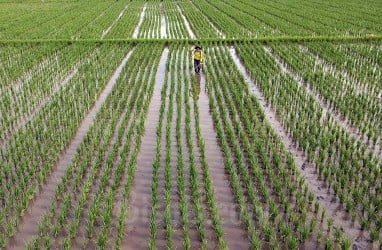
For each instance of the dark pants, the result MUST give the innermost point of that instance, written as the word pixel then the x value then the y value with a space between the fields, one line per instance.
pixel 197 66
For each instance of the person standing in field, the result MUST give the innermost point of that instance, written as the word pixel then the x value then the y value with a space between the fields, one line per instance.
pixel 198 55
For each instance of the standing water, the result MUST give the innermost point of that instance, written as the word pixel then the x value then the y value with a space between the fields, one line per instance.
pixel 163 30
pixel 307 170
pixel 28 228
pixel 135 34
pixel 190 32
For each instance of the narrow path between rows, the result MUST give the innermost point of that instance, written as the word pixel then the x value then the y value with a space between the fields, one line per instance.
pixel 136 31
pixel 104 32
pixel 333 209
pixel 28 226
pixel 163 28
pixel 353 131
pixel 137 221
pixel 205 210
pixel 234 234
pixel 188 27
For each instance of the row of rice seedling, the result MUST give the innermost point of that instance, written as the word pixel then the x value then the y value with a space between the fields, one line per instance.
pixel 151 25
pixel 126 24
pixel 350 171
pixel 31 152
pixel 356 101
pixel 312 18
pixel 200 24
pixel 359 62
pixel 175 25
pixel 242 18
pixel 278 210
pixel 195 195
pixel 19 60
pixel 83 212
pixel 30 90
pixel 221 20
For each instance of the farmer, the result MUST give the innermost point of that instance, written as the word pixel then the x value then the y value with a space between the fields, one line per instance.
pixel 197 54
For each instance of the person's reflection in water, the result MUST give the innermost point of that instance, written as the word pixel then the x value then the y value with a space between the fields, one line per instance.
pixel 195 88
pixel 197 84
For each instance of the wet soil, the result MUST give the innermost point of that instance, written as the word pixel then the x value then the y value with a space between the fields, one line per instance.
pixel 234 234
pixel 139 208
pixel 163 29
pixel 188 27
pixel 327 109
pixel 136 31
pixel 319 188
pixel 33 110
pixel 28 226
pixel 104 32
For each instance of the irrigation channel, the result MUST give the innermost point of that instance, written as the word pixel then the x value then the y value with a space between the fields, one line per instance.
pixel 142 16
pixel 190 32
pixel 139 201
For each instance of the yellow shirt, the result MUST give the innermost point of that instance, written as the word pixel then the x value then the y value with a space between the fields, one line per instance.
pixel 198 55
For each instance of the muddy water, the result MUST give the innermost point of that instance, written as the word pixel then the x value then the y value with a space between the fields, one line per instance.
pixel 351 82
pixel 163 28
pixel 326 199
pixel 234 234
pixel 27 75
pixel 188 27
pixel 357 87
pixel 342 121
pixel 104 32
pixel 137 223
pixel 32 112
pixel 135 34
pixel 28 226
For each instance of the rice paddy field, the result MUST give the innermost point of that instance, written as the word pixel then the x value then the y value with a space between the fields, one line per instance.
pixel 109 140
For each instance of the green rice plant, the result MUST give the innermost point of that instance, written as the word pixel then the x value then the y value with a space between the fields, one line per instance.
pixel 330 223
pixel 374 234
pixel 345 243
pixel 328 244
pixel 323 213
pixel 338 232
pixel 292 242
